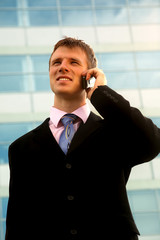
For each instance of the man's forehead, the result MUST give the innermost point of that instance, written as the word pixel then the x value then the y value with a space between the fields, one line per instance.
pixel 74 52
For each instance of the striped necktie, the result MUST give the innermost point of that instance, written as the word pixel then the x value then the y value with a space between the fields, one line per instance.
pixel 68 132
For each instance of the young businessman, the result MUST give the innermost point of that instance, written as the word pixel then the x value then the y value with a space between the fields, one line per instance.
pixel 68 176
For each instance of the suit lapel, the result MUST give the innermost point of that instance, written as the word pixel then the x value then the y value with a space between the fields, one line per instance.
pixel 85 130
pixel 45 138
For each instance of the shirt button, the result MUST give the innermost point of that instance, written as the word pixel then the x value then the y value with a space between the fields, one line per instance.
pixel 73 231
pixel 70 197
pixel 68 165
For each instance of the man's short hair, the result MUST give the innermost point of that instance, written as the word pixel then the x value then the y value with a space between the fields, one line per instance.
pixel 72 43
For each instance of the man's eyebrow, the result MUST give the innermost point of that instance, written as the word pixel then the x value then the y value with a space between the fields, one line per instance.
pixel 56 59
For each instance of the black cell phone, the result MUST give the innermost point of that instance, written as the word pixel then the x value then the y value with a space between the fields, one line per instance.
pixel 87 83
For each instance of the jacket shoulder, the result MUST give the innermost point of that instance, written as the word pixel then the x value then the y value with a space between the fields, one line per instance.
pixel 27 136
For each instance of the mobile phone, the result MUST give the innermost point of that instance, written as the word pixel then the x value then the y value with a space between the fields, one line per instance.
pixel 87 83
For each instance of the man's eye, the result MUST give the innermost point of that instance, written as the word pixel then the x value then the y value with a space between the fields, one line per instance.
pixel 56 63
pixel 74 62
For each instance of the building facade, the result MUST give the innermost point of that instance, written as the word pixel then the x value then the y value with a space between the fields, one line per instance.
pixel 125 34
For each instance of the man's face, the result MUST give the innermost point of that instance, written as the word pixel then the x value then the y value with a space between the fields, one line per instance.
pixel 66 67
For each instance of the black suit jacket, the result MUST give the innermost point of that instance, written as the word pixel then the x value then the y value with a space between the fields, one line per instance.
pixel 80 195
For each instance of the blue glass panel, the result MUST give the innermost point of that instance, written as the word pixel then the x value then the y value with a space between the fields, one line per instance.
pixel 8 18
pixel 156 120
pixel 8 3
pixel 75 3
pixel 148 223
pixel 11 131
pixel 111 16
pixel 43 18
pixel 4 206
pixel 41 3
pixel 121 80
pixel 145 16
pixel 117 61
pixel 143 200
pixel 12 64
pixel 77 17
pixel 40 63
pixel 144 3
pixel 3 154
pixel 149 79
pixel 148 60
pixel 42 82
pixel 110 2
pixel 14 83
pixel 2 229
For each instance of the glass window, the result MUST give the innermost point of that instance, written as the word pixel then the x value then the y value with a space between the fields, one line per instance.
pixel 14 83
pixel 144 16
pixel 110 2
pixel 40 63
pixel 111 16
pixel 41 3
pixel 42 82
pixel 12 64
pixel 8 18
pixel 143 201
pixel 4 206
pixel 75 3
pixel 145 3
pixel 11 131
pixel 148 60
pixel 156 120
pixel 149 79
pixel 43 17
pixel 2 228
pixel 121 80
pixel 77 17
pixel 148 223
pixel 116 61
pixel 4 154
pixel 8 3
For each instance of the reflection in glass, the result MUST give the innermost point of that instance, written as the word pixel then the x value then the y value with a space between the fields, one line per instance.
pixel 144 2
pixel 43 18
pixel 8 3
pixel 110 2
pixel 14 83
pixel 145 16
pixel 117 61
pixel 41 3
pixel 148 223
pixel 122 80
pixel 40 63
pixel 77 17
pixel 75 3
pixel 42 82
pixel 12 64
pixel 3 154
pixel 148 60
pixel 149 79
pixel 8 18
pixel 111 16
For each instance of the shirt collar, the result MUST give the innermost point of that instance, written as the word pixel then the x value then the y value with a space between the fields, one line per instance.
pixel 82 112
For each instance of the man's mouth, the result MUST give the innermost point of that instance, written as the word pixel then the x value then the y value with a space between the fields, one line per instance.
pixel 63 79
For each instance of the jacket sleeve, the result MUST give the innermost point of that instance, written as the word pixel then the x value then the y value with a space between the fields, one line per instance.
pixel 142 136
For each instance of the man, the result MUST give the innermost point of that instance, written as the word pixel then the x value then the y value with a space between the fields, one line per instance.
pixel 68 181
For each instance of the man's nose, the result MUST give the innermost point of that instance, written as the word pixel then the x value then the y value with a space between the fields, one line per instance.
pixel 64 67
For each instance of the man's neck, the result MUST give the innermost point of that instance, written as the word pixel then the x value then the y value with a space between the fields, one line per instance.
pixel 68 105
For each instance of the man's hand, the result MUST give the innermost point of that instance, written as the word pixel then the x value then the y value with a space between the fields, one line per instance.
pixel 99 75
